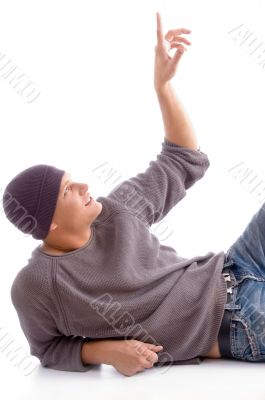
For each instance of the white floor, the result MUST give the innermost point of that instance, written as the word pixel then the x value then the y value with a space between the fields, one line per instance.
pixel 219 379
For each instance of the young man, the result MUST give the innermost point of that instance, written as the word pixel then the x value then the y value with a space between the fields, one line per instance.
pixel 101 288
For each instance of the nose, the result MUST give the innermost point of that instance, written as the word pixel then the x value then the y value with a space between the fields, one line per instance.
pixel 85 187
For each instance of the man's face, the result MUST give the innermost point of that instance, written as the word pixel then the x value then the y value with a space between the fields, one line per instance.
pixel 71 214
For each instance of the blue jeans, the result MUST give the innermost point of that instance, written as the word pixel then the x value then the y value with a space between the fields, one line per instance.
pixel 245 260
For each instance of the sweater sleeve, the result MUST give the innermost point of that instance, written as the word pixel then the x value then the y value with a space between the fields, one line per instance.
pixel 51 347
pixel 150 195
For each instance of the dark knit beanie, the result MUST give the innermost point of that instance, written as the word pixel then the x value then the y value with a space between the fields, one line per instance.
pixel 30 198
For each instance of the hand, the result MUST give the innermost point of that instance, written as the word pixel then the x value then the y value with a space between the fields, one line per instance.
pixel 131 356
pixel 166 66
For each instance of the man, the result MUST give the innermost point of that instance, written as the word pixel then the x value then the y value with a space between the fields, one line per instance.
pixel 101 289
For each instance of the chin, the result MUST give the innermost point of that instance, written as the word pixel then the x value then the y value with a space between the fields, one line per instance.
pixel 97 210
pixel 99 206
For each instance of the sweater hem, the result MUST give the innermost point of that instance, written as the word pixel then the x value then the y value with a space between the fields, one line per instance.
pixel 221 298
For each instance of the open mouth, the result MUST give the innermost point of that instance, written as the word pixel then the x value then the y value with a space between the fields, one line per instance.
pixel 89 201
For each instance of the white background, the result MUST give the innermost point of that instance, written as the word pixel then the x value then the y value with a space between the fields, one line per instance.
pixel 92 63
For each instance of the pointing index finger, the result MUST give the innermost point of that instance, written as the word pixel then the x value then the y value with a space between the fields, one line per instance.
pixel 159 29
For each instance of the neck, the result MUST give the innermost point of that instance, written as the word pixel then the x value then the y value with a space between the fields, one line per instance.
pixel 65 243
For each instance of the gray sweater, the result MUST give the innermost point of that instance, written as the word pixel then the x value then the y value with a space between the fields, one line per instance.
pixel 123 283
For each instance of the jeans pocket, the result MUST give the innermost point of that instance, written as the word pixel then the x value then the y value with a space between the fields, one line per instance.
pixel 241 340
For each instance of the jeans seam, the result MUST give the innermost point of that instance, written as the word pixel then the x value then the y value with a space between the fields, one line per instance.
pixel 251 337
pixel 244 276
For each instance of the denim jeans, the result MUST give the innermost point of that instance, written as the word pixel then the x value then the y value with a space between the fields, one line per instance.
pixel 245 260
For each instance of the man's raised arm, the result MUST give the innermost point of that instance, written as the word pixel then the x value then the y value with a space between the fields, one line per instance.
pixel 178 128
pixel 151 194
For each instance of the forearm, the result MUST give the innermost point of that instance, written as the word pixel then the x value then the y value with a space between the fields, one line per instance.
pixel 178 128
pixel 97 352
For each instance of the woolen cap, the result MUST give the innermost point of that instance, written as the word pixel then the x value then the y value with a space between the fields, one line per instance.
pixel 30 198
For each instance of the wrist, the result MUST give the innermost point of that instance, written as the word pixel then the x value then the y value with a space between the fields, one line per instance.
pixel 97 352
pixel 161 88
